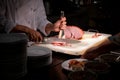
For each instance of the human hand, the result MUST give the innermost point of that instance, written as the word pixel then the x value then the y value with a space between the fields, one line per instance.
pixel 59 24
pixel 32 34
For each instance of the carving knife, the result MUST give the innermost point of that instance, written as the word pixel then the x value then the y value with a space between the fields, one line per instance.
pixel 61 33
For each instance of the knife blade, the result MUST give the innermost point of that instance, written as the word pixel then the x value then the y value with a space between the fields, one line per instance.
pixel 49 40
pixel 61 34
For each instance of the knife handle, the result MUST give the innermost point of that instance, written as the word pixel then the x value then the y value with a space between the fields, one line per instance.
pixel 62 14
pixel 61 33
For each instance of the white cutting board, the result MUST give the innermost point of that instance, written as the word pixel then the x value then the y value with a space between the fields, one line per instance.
pixel 81 46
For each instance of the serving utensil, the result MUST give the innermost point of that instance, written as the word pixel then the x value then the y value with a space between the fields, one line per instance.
pixel 61 33
pixel 49 40
pixel 118 59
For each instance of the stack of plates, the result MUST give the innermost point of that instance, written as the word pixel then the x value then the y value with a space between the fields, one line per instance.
pixel 38 57
pixel 13 55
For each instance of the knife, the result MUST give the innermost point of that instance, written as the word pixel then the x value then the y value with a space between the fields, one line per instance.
pixel 61 32
pixel 49 40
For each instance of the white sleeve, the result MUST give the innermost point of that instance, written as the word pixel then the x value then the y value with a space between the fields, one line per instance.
pixel 6 23
pixel 42 18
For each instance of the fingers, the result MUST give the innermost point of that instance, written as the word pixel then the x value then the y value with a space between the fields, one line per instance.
pixel 63 19
pixel 35 36
pixel 62 23
pixel 38 37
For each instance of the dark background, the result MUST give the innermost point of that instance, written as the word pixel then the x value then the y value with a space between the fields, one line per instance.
pixel 101 15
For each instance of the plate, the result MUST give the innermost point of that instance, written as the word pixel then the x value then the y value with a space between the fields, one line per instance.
pixel 115 51
pixel 65 64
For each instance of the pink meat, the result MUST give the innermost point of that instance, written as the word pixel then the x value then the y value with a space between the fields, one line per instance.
pixel 59 43
pixel 73 32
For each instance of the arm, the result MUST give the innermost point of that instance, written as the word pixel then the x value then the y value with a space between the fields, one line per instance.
pixel 9 25
pixel 59 24
pixel 32 34
pixel 46 26
pixel 5 23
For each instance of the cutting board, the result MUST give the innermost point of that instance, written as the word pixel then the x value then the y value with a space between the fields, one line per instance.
pixel 78 47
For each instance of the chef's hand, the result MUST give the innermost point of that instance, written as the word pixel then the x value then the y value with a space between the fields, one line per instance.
pixel 60 24
pixel 32 34
pixel 57 26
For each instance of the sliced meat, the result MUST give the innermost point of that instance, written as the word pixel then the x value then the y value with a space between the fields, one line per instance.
pixel 73 32
pixel 96 35
pixel 59 43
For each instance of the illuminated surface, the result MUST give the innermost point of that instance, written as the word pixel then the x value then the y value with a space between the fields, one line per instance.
pixel 81 46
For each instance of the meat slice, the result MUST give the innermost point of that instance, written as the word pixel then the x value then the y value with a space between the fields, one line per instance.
pixel 73 32
pixel 96 35
pixel 59 43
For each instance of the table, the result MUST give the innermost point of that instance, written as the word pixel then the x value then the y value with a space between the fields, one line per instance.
pixel 56 72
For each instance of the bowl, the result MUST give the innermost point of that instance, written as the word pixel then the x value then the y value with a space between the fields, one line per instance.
pixel 112 59
pixel 82 75
pixel 109 58
pixel 97 67
pixel 117 51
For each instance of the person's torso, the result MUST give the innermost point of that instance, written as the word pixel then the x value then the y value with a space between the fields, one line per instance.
pixel 24 12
